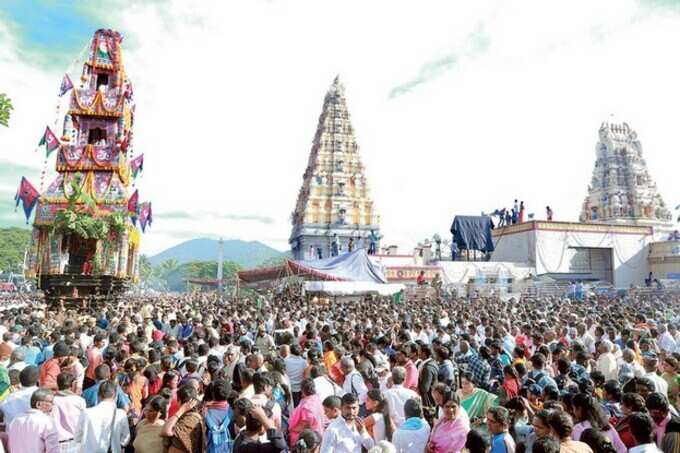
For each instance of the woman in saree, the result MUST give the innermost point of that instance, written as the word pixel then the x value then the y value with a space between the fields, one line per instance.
pixel 475 401
pixel 449 433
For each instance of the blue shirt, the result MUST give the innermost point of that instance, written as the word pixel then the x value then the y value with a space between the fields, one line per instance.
pixel 31 354
pixel 91 396
pixel 502 443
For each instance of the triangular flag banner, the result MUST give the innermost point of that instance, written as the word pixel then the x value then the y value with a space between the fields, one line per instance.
pixel 133 204
pixel 531 216
pixel 28 195
pixel 137 165
pixel 66 85
pixel 145 215
pixel 50 141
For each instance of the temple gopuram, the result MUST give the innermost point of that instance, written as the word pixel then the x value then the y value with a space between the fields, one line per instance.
pixel 84 245
pixel 334 212
pixel 621 190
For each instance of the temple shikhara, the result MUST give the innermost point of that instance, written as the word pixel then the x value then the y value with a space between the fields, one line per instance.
pixel 621 190
pixel 334 212
pixel 84 241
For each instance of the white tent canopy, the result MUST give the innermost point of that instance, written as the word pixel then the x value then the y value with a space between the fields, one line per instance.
pixel 353 288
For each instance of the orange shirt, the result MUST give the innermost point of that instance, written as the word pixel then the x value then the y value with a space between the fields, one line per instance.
pixel 329 359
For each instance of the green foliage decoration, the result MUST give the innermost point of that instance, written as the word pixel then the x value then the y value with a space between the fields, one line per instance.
pixel 81 217
pixel 6 108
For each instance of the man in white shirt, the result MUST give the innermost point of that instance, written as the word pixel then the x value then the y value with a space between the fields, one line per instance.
pixel 35 430
pixel 16 360
pixel 354 383
pixel 295 369
pixel 412 435
pixel 324 385
pixel 666 340
pixel 397 396
pixel 606 362
pixel 104 425
pixel 650 364
pixel 347 433
pixel 19 402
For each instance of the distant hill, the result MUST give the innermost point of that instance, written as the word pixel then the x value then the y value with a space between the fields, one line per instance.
pixel 247 254
pixel 13 242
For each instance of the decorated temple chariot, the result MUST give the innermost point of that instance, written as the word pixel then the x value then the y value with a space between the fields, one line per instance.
pixel 86 230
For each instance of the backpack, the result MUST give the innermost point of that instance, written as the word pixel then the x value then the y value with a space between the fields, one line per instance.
pixel 219 440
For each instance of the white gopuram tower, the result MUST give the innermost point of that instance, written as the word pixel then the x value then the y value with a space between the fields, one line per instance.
pixel 621 190
pixel 333 204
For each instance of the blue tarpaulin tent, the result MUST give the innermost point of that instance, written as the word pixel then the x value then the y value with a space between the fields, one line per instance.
pixel 472 233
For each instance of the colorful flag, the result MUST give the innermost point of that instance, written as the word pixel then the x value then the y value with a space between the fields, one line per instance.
pixel 28 195
pixel 50 141
pixel 137 165
pixel 133 204
pixel 66 85
pixel 145 216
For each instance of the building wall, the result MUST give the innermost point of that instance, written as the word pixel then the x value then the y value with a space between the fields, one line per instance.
pixel 553 247
pixel 664 259
pixel 461 272
pixel 515 248
pixel 557 251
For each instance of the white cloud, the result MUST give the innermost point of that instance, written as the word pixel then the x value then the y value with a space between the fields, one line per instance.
pixel 229 95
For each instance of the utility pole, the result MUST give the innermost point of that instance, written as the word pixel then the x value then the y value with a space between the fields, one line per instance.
pixel 220 259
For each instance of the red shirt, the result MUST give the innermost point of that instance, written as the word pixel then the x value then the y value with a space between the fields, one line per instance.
pixel 48 374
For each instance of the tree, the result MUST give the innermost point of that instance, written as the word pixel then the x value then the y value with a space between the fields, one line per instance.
pixel 13 243
pixel 5 109
pixel 145 268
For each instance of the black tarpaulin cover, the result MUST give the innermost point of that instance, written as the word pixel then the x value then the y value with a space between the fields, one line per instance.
pixel 472 233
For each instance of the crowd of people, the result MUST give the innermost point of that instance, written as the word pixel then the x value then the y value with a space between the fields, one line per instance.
pixel 190 373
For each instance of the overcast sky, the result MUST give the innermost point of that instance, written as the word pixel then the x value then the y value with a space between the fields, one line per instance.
pixel 458 107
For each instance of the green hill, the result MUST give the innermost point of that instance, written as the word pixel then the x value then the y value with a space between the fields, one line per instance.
pixel 245 254
pixel 13 243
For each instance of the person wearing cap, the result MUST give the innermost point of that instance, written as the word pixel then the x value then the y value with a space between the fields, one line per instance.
pixel 51 369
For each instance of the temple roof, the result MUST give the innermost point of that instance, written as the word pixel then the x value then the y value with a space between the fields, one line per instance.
pixel 621 188
pixel 334 189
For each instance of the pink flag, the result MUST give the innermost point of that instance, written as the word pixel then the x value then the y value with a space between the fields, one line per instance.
pixel 133 204
pixel 66 85
pixel 137 165
pixel 145 216
pixel 50 141
pixel 28 195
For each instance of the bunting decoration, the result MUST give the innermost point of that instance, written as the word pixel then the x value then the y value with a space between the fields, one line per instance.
pixel 27 195
pixel 137 165
pixel 133 207
pixel 66 85
pixel 145 216
pixel 50 141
